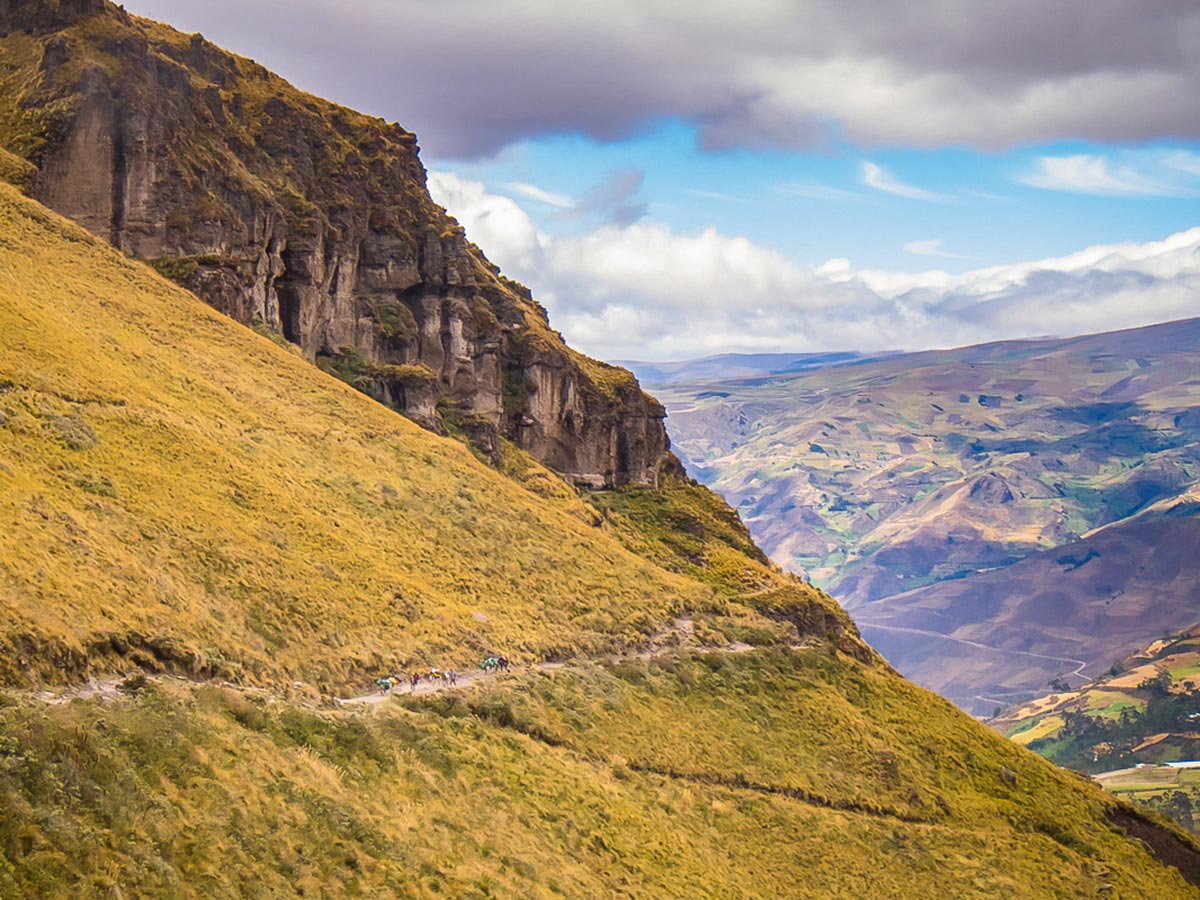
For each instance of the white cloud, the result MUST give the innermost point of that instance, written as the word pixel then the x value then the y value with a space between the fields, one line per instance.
pixel 811 191
pixel 495 223
pixel 985 195
pixel 533 192
pixel 643 291
pixel 838 268
pixel 874 176
pixel 1087 174
pixel 613 200
pixel 931 247
pixel 1183 161
pixel 718 195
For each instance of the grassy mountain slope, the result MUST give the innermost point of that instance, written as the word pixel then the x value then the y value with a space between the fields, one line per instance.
pixel 185 493
pixel 741 776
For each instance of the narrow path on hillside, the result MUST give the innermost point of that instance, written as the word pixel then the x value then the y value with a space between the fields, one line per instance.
pixel 93 688
pixel 471 678
pixel 425 686
pixel 672 639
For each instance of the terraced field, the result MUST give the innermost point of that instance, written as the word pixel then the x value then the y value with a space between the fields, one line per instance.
pixel 1144 711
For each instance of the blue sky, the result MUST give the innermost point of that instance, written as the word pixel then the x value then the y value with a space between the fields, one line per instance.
pixel 813 206
pixel 770 175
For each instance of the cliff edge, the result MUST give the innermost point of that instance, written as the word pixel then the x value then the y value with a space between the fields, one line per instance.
pixel 308 220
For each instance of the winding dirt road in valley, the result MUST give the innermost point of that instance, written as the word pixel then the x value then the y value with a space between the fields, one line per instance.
pixel 1004 698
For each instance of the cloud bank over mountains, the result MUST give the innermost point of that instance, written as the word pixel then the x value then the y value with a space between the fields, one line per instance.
pixel 642 291
pixel 984 132
pixel 476 75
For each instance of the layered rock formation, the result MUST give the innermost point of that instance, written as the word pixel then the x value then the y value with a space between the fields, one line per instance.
pixel 308 220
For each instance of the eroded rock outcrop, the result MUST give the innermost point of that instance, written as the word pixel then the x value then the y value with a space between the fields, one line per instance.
pixel 308 220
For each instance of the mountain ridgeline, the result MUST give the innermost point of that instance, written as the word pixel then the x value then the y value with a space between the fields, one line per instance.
pixel 310 221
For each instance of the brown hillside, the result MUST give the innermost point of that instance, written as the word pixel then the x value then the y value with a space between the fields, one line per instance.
pixel 1086 602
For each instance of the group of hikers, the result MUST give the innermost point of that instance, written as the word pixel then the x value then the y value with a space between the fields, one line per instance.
pixel 445 677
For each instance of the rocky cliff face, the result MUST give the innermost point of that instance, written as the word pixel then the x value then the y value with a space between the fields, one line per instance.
pixel 311 221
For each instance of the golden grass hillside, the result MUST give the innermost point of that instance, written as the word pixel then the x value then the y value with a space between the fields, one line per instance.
pixel 758 775
pixel 183 493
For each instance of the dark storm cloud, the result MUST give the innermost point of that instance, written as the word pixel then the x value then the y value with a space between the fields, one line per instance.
pixel 1019 40
pixel 474 75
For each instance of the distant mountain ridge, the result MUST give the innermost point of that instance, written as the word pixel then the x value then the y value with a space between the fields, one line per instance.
pixel 732 365
pixel 904 483
pixel 1064 614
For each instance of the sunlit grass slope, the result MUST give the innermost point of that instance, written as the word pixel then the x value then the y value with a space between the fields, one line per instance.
pixel 183 492
pixel 686 528
pixel 758 775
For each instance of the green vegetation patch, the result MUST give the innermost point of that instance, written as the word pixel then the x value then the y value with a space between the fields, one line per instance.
pixel 686 528
pixel 396 322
